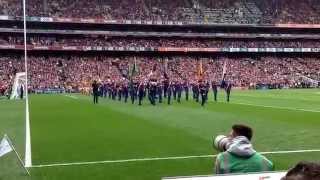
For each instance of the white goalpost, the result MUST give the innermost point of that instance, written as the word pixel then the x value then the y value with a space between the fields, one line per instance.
pixel 28 158
pixel 19 86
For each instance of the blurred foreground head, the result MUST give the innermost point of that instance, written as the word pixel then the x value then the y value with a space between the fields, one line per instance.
pixel 304 171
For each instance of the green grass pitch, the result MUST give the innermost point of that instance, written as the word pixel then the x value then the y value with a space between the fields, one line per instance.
pixel 68 129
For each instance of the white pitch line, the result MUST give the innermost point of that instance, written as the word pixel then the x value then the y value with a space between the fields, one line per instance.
pixel 277 107
pixel 164 158
pixel 71 96
pixel 28 159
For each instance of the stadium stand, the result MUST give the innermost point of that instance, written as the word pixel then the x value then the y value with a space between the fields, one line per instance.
pixel 9 66
pixel 102 40
pixel 220 43
pixel 76 72
pixel 217 11
pixel 51 70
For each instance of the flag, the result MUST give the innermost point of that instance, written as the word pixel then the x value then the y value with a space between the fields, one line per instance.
pixel 134 69
pixel 200 70
pixel 206 19
pixel 224 70
pixel 5 147
pixel 165 68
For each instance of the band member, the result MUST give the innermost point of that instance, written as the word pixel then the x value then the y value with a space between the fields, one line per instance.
pixel 186 89
pixel 179 91
pixel 95 91
pixel 114 91
pixel 203 92
pixel 165 87
pixel 223 83
pixel 105 90
pixel 125 90
pixel 207 89
pixel 195 90
pixel 215 90
pixel 152 91
pixel 141 90
pixel 174 90
pixel 228 90
pixel 133 91
pixel 110 85
pixel 159 92
pixel 169 92
pixel 119 91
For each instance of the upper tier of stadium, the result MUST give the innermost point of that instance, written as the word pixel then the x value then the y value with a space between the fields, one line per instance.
pixel 213 11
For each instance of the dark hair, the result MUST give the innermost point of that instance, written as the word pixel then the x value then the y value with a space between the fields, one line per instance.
pixel 304 171
pixel 242 130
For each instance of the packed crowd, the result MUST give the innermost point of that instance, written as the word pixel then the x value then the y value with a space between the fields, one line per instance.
pixel 158 42
pixel 273 11
pixel 77 72
pixel 9 66
pixel 288 11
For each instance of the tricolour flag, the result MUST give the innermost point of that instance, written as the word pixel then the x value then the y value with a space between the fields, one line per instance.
pixel 5 147
pixel 224 70
pixel 165 68
pixel 200 70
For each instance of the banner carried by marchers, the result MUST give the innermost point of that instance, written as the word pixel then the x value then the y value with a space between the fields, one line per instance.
pixel 5 147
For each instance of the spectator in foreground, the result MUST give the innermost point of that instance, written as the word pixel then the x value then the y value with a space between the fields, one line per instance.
pixel 240 157
pixel 304 171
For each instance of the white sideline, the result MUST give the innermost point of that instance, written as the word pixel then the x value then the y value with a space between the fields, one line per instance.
pixel 163 158
pixel 277 107
pixel 28 159
pixel 71 96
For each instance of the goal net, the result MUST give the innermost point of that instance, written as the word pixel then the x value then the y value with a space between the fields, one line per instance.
pixel 18 87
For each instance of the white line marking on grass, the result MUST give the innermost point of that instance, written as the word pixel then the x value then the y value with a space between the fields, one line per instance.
pixel 28 159
pixel 71 96
pixel 277 107
pixel 163 158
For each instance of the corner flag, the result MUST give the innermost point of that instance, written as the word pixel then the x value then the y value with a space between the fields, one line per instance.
pixel 5 147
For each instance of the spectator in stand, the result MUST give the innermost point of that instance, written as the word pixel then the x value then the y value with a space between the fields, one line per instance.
pixel 219 11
